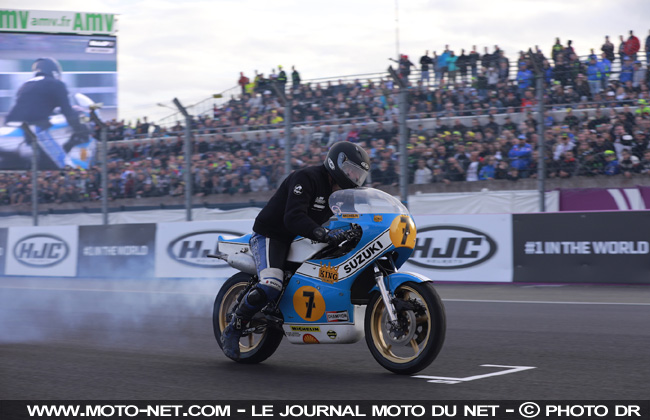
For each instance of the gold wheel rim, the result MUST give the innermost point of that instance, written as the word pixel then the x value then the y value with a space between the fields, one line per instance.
pixel 421 330
pixel 246 343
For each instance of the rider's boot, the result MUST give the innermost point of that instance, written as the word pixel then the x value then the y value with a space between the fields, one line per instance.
pixel 268 289
pixel 231 335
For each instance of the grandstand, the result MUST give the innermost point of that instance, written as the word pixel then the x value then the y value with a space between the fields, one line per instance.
pixel 238 140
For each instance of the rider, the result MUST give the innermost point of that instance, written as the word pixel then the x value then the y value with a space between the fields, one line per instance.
pixel 298 207
pixel 35 101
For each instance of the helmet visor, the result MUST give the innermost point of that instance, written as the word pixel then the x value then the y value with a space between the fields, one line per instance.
pixel 352 171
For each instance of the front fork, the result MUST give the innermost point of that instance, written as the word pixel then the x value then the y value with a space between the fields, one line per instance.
pixel 385 295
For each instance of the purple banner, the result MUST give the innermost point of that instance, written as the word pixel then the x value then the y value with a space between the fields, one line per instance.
pixel 594 199
pixel 645 195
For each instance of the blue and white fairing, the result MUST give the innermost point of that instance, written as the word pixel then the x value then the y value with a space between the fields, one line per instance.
pixel 316 303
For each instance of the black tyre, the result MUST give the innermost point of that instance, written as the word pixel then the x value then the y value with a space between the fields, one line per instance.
pixel 421 333
pixel 254 347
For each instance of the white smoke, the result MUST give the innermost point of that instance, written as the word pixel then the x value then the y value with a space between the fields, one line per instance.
pixel 104 312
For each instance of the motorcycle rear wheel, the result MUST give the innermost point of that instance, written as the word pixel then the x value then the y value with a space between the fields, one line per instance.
pixel 254 347
pixel 421 333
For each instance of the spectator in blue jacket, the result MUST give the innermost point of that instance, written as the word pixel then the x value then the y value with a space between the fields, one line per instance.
pixel 605 70
pixel 594 77
pixel 611 167
pixel 442 63
pixel 520 155
pixel 524 79
pixel 452 66
pixel 548 73
pixel 488 170
pixel 627 71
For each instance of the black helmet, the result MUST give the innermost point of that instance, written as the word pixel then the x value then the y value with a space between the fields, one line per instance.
pixel 47 66
pixel 348 164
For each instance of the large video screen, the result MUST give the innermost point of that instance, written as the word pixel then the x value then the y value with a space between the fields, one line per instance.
pixel 89 64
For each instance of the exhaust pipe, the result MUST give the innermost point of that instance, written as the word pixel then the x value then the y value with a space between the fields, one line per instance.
pixel 239 260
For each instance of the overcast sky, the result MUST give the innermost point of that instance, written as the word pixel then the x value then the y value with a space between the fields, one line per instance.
pixel 191 49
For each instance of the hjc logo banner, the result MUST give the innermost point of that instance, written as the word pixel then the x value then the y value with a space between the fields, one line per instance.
pixel 41 250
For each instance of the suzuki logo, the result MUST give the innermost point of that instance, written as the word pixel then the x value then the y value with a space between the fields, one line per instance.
pixel 451 247
pixel 41 250
pixel 193 249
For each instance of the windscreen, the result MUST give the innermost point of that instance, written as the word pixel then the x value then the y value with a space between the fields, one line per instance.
pixel 365 200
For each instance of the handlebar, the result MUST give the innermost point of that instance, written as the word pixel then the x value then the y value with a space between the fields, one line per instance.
pixel 354 233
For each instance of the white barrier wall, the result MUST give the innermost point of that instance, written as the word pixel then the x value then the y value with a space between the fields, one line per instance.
pixel 483 202
pixel 182 248
pixel 476 248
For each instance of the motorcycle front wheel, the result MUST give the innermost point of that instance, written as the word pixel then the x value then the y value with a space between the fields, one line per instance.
pixel 412 343
pixel 254 347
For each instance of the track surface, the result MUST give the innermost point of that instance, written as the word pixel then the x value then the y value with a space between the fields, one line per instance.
pixel 90 339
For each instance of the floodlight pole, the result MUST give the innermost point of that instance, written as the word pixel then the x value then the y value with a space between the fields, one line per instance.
pixel 103 134
pixel 397 28
pixel 541 146
pixel 188 159
pixel 35 149
pixel 403 160
pixel 282 97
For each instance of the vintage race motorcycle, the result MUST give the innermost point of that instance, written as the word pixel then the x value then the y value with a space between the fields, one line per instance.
pixel 328 289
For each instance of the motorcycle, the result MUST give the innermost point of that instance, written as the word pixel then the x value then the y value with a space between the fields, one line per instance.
pixel 16 152
pixel 339 294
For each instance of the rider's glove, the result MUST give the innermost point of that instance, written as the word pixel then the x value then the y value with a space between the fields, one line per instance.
pixel 332 237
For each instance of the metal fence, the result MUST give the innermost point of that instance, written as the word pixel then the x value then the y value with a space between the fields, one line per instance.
pixel 205 107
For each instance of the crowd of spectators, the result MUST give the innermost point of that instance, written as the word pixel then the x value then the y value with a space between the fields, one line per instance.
pixel 604 142
pixel 446 84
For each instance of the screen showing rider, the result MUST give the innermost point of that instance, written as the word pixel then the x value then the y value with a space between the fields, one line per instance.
pixel 36 100
pixel 298 207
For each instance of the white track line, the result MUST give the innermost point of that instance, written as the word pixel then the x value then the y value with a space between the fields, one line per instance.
pixel 543 302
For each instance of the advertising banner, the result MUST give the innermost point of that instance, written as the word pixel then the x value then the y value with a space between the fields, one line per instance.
pixel 3 249
pixel 603 199
pixel 117 251
pixel 49 251
pixel 16 20
pixel 476 248
pixel 88 61
pixel 182 248
pixel 603 247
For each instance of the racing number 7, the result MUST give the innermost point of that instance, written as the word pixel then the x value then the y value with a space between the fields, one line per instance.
pixel 406 230
pixel 310 302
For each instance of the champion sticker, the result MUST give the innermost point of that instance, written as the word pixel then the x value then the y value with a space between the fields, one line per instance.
pixel 338 316
pixel 330 163
pixel 297 190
